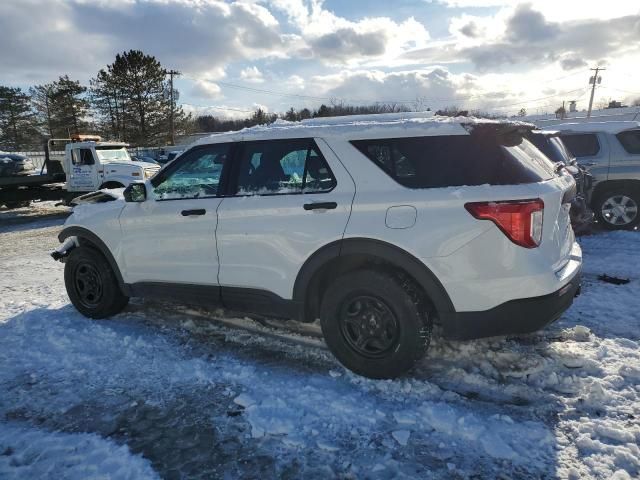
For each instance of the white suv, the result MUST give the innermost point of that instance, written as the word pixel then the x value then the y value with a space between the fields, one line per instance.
pixel 378 225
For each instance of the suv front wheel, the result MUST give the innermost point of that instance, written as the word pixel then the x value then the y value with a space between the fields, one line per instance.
pixel 618 209
pixel 92 285
pixel 375 326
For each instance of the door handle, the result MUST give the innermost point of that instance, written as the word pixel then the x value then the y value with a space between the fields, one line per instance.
pixel 197 211
pixel 320 205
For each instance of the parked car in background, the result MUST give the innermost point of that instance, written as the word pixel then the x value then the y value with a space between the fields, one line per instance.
pixel 165 157
pixel 173 155
pixel 13 164
pixel 549 143
pixel 610 151
pixel 379 225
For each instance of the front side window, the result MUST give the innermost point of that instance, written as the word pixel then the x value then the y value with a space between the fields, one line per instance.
pixel 82 156
pixel 283 167
pixel 581 144
pixel 195 175
pixel 630 141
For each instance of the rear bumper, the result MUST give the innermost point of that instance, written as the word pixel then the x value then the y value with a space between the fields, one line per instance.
pixel 520 316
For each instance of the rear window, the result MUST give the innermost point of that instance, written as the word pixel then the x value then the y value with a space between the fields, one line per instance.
pixel 582 144
pixel 630 141
pixel 483 157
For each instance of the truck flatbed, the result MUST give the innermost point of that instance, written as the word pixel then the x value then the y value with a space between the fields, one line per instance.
pixel 30 180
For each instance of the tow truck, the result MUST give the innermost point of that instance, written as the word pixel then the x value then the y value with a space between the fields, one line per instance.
pixel 88 164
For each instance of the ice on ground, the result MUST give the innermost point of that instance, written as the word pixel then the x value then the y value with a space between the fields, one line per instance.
pixel 401 436
pixel 32 453
pixel 153 398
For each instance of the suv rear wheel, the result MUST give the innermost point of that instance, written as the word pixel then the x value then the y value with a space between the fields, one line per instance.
pixel 92 285
pixel 618 209
pixel 374 325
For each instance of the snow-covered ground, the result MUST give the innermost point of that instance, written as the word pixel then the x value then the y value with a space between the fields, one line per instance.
pixel 161 392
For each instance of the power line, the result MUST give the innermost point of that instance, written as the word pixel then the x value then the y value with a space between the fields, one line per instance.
pixel 537 99
pixel 215 107
pixel 621 90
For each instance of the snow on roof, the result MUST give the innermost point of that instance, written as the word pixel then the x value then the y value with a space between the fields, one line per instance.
pixel 609 127
pixel 356 127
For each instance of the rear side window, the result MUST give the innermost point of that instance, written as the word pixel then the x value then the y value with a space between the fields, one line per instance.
pixel 582 144
pixel 456 160
pixel 278 167
pixel 630 141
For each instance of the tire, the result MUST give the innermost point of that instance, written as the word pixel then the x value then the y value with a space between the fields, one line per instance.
pixel 92 285
pixel 397 335
pixel 618 209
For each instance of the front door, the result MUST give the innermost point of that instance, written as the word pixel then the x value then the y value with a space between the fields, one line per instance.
pixel 288 199
pixel 170 238
pixel 83 175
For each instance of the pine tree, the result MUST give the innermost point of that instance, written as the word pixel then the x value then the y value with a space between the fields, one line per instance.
pixel 17 120
pixel 131 98
pixel 291 115
pixel 69 107
pixel 41 100
pixel 107 104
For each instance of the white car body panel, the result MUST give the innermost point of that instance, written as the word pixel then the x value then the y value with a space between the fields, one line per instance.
pixel 160 244
pixel 477 264
pixel 263 241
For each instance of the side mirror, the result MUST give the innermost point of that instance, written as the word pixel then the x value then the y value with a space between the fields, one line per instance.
pixel 136 192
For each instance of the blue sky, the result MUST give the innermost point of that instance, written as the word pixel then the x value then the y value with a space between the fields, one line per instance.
pixel 235 56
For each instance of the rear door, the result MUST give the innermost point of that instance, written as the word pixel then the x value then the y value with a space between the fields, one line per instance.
pixel 288 198
pixel 625 155
pixel 591 151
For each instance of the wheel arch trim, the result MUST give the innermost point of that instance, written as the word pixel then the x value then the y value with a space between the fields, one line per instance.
pixel 376 250
pixel 81 232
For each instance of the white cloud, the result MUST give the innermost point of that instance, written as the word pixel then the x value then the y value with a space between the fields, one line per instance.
pixel 252 75
pixel 523 37
pixel 435 88
pixel 558 10
pixel 78 37
pixel 337 40
pixel 206 89
pixel 295 82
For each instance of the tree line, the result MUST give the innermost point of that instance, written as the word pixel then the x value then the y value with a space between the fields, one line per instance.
pixel 211 123
pixel 127 100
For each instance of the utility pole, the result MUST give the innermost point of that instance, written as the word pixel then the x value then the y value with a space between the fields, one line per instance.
pixel 593 80
pixel 171 73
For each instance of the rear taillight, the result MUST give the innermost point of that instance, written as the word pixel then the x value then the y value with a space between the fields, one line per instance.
pixel 519 220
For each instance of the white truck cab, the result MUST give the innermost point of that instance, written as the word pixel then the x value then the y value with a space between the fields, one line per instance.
pixel 91 164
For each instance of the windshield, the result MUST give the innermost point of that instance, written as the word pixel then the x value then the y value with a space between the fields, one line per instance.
pixel 113 154
pixel 551 146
